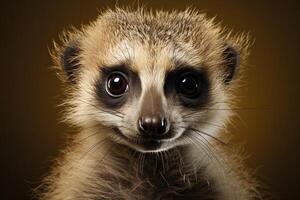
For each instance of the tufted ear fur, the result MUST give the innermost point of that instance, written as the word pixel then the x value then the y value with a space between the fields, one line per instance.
pixel 66 57
pixel 70 61
pixel 231 63
pixel 235 53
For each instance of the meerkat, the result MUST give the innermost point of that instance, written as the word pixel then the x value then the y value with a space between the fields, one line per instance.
pixel 151 93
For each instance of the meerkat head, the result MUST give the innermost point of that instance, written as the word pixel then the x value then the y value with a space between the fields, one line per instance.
pixel 156 80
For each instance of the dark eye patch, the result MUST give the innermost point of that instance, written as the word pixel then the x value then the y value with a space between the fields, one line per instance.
pixel 189 85
pixel 134 85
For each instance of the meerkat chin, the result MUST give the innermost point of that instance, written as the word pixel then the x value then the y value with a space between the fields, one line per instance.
pixel 151 93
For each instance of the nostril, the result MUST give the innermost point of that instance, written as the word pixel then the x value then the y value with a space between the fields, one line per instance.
pixel 163 126
pixel 152 125
pixel 145 124
pixel 140 125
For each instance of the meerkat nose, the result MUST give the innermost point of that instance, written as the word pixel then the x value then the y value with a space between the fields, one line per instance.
pixel 152 125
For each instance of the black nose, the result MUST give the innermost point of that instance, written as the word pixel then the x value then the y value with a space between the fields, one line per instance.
pixel 152 126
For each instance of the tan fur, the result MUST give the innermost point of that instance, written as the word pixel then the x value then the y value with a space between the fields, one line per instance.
pixel 99 165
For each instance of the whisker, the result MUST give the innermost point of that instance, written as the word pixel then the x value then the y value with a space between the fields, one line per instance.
pixel 194 165
pixel 85 138
pixel 211 136
pixel 162 160
pixel 190 113
pixel 105 155
pixel 209 149
pixel 205 133
pixel 164 178
pixel 201 147
pixel 238 109
pixel 92 147
pixel 166 156
pixel 114 112
pixel 142 163
pixel 204 122
pixel 209 153
pixel 213 151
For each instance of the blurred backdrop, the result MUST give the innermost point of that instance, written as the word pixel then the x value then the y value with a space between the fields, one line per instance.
pixel 31 134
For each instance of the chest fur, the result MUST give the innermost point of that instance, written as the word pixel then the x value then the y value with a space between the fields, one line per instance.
pixel 150 177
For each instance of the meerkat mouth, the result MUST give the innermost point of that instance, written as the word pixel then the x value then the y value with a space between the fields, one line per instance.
pixel 145 145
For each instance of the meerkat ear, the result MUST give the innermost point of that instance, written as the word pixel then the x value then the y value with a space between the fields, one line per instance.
pixel 69 60
pixel 66 59
pixel 231 62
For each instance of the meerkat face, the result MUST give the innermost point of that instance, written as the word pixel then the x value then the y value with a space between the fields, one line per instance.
pixel 155 80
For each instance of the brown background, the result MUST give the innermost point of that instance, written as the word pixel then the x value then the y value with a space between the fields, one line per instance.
pixel 31 135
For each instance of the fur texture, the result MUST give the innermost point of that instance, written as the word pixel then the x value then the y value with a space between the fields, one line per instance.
pixel 196 163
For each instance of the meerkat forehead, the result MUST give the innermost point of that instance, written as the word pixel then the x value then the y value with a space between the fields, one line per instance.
pixel 152 44
pixel 152 41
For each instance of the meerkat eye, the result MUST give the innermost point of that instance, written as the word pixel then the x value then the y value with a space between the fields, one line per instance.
pixel 188 85
pixel 117 84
